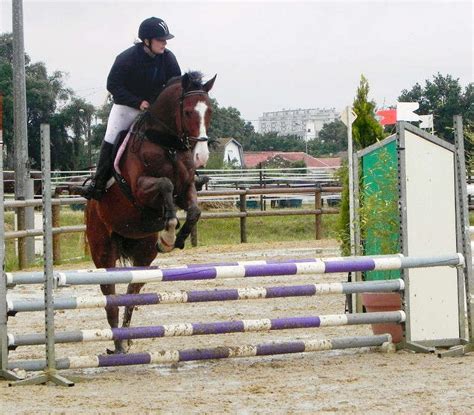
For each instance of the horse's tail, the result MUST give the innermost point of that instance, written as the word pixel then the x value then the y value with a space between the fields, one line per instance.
pixel 121 244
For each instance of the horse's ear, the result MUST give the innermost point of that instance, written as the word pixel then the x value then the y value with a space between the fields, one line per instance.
pixel 185 81
pixel 209 84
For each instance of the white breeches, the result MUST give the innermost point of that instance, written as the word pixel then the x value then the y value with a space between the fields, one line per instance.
pixel 121 118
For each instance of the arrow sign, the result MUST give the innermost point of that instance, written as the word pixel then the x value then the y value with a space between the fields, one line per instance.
pixel 348 116
pixel 405 111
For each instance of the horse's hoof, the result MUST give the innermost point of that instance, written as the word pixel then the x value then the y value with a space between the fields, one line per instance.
pixel 179 244
pixel 163 247
pixel 116 351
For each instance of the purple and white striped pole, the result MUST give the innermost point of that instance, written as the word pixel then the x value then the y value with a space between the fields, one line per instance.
pixel 222 327
pixel 348 264
pixel 174 356
pixel 196 296
pixel 36 277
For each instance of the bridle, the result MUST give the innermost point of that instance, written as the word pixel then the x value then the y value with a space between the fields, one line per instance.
pixel 184 139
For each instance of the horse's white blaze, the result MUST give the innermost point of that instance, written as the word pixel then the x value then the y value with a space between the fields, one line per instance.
pixel 201 151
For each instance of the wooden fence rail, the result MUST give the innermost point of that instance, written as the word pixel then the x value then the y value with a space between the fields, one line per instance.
pixel 243 213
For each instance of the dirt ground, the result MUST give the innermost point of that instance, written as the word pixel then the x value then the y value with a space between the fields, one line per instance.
pixel 350 381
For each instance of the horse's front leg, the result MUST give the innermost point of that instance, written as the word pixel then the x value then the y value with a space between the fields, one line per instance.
pixel 157 193
pixel 193 213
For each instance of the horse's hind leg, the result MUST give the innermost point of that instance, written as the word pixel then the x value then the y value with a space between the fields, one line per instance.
pixel 143 252
pixel 104 253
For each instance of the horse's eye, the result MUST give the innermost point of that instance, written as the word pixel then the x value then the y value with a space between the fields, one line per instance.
pixel 188 113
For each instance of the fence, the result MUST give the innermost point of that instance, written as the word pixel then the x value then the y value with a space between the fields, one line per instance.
pixel 242 196
pixel 219 178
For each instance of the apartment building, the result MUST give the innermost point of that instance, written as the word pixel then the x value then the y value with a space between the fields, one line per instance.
pixel 306 123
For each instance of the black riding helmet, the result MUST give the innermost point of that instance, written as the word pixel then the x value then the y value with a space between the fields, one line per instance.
pixel 154 28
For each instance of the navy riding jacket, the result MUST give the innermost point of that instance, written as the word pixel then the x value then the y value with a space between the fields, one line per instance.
pixel 135 76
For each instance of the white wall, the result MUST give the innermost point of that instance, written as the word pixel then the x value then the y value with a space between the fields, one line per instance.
pixel 231 153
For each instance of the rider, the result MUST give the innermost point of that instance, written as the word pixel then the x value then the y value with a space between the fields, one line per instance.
pixel 137 77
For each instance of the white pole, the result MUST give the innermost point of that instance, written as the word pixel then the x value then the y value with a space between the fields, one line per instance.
pixel 349 120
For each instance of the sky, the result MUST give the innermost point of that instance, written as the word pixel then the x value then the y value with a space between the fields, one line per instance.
pixel 268 55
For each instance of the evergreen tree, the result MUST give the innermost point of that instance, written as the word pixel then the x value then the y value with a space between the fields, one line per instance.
pixel 366 130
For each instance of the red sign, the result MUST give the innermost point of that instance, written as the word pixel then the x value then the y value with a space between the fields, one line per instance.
pixel 387 117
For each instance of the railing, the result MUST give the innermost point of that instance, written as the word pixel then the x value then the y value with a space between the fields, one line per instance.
pixel 225 178
pixel 265 177
pixel 242 195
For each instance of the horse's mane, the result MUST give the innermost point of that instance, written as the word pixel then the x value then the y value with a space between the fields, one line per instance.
pixel 195 78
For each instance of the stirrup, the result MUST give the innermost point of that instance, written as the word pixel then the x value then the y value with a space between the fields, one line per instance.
pixel 92 191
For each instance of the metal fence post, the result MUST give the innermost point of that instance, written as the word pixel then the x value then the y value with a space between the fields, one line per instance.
pixel 4 372
pixel 21 244
pixel 56 210
pixel 243 219
pixel 318 207
pixel 30 221
pixel 49 374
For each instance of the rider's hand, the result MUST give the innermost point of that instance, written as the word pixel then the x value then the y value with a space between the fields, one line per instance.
pixel 144 105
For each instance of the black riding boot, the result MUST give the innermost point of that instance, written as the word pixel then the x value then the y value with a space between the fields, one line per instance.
pixel 96 188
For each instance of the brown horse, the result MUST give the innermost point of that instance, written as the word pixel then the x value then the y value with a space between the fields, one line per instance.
pixel 136 218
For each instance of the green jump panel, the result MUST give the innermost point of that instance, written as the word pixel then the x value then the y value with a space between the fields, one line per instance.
pixel 379 205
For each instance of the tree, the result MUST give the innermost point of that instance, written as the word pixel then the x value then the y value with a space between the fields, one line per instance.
pixel 102 113
pixel 274 142
pixel 332 139
pixel 443 97
pixel 366 130
pixel 77 115
pixel 227 122
pixel 44 93
pixel 48 101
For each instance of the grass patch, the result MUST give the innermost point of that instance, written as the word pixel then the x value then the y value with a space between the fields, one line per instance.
pixel 72 244
pixel 264 229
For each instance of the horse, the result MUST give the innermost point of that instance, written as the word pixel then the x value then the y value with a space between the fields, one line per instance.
pixel 136 218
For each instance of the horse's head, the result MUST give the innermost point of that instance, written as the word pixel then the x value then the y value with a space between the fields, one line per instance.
pixel 184 110
pixel 194 115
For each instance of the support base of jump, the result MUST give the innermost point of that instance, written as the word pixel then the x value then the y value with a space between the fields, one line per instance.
pixel 415 347
pixel 9 375
pixel 44 378
pixel 457 351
